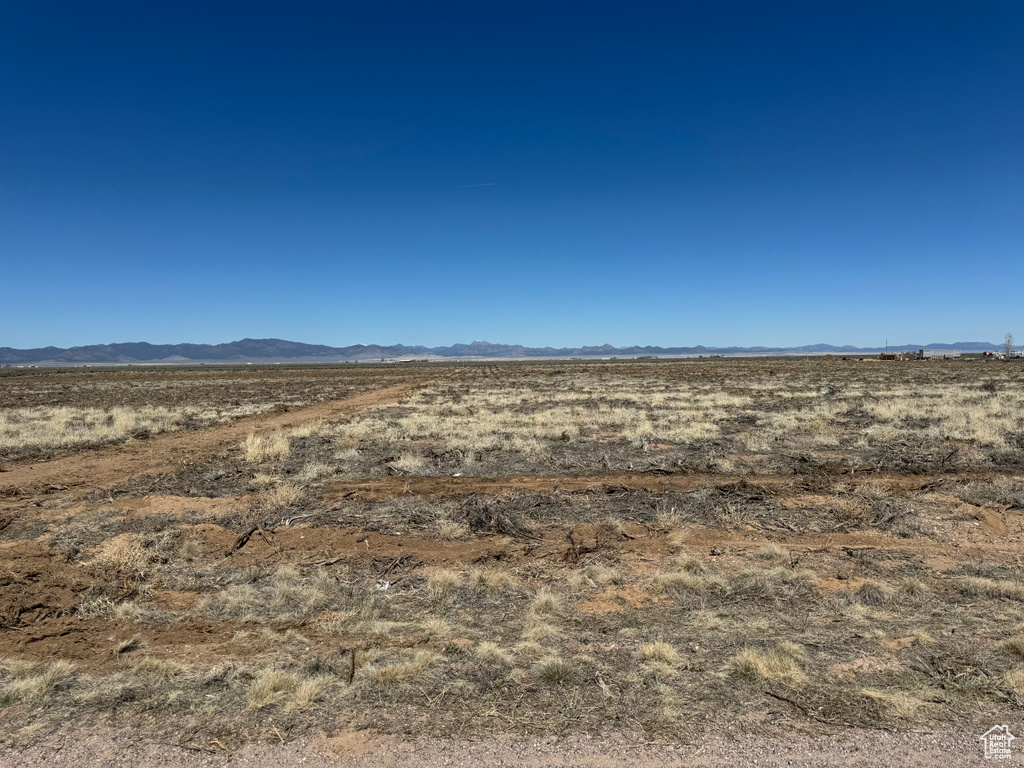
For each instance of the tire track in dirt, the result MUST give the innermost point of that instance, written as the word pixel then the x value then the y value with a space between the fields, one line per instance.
pixel 445 486
pixel 108 466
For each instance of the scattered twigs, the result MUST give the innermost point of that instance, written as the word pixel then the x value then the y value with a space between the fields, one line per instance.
pixel 227 751
pixel 244 538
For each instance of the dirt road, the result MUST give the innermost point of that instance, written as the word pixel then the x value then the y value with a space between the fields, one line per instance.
pixel 109 466
pixel 861 748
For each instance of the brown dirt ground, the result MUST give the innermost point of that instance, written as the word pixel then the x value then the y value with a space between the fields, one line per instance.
pixel 109 466
pixel 38 589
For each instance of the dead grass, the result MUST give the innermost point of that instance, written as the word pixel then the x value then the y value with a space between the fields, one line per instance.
pixel 780 664
pixel 25 430
pixel 682 614
pixel 979 587
pixel 661 653
pixel 413 669
pixel 555 671
pixel 261 449
pixel 30 681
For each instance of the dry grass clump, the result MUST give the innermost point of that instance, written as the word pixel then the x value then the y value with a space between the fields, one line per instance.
pixel 978 587
pixel 594 575
pixel 1014 646
pixel 281 495
pixel 409 463
pixel 162 669
pixel 125 556
pixel 1001 490
pixel 260 449
pixel 915 588
pixel 777 583
pixel 780 665
pixel 774 554
pixel 30 681
pixel 286 596
pixel 133 643
pixel 661 653
pixel 313 471
pixel 406 671
pixel 681 584
pixel 555 670
pixel 442 582
pixel 310 429
pixel 492 581
pixel 546 603
pixel 897 704
pixel 539 630
pixel 452 530
pixel 526 418
pixel 271 686
pixel 1014 681
pixel 873 592
pixel 492 652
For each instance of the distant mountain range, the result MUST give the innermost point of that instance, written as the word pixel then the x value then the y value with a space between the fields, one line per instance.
pixel 276 350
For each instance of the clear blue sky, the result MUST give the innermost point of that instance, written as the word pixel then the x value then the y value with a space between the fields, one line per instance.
pixel 668 173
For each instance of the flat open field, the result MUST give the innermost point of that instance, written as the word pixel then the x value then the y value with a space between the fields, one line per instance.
pixel 655 552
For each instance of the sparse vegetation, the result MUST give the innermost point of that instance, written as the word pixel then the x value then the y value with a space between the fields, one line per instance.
pixel 626 546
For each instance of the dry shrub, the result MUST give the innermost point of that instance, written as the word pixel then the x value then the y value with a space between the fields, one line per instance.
pixel 260 449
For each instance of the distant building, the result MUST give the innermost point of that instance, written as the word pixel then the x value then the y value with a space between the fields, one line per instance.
pixel 892 356
pixel 938 354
